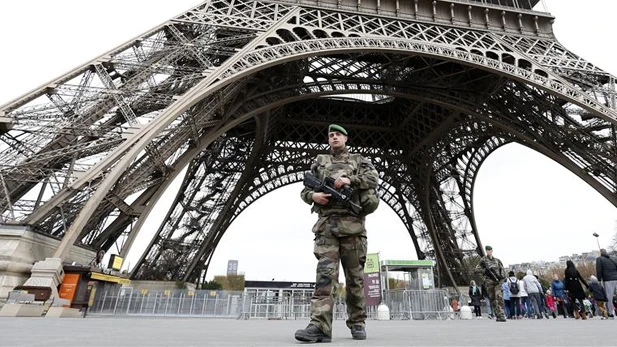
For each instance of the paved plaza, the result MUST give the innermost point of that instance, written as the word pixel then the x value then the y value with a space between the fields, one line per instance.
pixel 161 331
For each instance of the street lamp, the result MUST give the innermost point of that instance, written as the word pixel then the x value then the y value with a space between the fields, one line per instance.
pixel 597 240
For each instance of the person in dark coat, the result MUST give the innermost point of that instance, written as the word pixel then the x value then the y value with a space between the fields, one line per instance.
pixel 573 280
pixel 606 269
pixel 599 295
pixel 475 294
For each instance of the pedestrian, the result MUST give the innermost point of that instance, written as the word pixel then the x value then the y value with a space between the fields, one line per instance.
pixel 543 308
pixel 550 302
pixel 475 295
pixel 558 289
pixel 534 288
pixel 593 304
pixel 606 270
pixel 515 296
pixel 506 299
pixel 567 302
pixel 575 290
pixel 587 307
pixel 340 236
pixel 599 295
pixel 494 274
pixel 525 304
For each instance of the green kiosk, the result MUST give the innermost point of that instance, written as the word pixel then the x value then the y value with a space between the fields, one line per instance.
pixel 417 274
pixel 418 299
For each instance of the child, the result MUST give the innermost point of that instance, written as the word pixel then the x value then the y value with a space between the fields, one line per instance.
pixel 550 303
pixel 598 293
pixel 454 305
pixel 587 308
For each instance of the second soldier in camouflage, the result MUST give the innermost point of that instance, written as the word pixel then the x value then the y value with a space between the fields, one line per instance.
pixel 494 274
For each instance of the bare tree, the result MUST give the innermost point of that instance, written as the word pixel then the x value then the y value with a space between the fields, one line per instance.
pixel 470 269
pixel 395 283
pixel 585 268
pixel 231 282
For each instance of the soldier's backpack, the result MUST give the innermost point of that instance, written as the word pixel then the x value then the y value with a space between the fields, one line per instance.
pixel 513 286
pixel 366 198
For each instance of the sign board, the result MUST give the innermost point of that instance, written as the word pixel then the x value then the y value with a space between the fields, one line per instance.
pixel 420 263
pixel 68 287
pixel 372 280
pixel 109 278
pixel 115 262
pixel 91 293
pixel 372 263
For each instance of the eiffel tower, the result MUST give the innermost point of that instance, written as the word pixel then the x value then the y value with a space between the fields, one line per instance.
pixel 239 93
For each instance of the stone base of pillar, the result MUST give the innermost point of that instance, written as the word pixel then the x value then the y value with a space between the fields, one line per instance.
pixel 20 248
pixel 46 273
pixel 63 312
pixel 22 310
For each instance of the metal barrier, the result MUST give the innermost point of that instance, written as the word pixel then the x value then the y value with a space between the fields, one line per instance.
pixel 167 303
pixel 283 307
pixel 419 304
pixel 403 304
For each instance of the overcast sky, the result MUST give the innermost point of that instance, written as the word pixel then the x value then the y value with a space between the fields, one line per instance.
pixel 527 206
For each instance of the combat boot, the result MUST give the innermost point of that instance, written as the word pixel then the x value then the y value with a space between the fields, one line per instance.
pixel 358 332
pixel 312 334
pixel 501 319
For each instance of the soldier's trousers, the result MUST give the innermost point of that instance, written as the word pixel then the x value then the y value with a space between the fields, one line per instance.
pixel 351 252
pixel 495 294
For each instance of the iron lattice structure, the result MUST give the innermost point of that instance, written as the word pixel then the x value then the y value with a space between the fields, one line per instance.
pixel 239 92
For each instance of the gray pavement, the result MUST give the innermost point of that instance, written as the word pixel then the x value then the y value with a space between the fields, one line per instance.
pixel 161 331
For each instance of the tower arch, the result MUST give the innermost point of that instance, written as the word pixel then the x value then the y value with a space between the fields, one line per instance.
pixel 184 91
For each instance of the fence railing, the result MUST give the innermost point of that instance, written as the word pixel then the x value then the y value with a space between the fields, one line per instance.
pixel 403 304
pixel 418 304
pixel 169 303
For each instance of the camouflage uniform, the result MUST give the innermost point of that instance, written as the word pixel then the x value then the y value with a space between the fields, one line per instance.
pixel 340 235
pixel 493 285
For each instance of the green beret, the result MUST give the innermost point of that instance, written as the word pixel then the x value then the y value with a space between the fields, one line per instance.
pixel 488 248
pixel 334 127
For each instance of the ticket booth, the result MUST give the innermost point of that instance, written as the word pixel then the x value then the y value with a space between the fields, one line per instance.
pixel 417 274
pixel 81 283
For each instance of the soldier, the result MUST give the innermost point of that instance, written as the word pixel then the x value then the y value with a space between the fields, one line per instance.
pixel 494 274
pixel 340 235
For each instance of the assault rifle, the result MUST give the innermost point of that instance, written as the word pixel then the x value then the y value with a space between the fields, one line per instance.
pixel 493 275
pixel 488 272
pixel 327 186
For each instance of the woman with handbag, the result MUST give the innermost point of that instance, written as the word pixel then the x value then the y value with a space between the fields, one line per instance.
pixel 573 280
pixel 475 294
